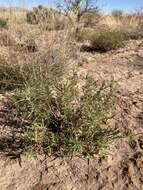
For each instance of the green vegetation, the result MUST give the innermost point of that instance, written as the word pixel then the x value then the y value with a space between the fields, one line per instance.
pixel 107 41
pixel 12 75
pixel 3 23
pixel 65 119
pixel 64 114
pixel 85 35
pixel 91 18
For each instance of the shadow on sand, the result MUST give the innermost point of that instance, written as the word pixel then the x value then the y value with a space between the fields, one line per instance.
pixel 11 133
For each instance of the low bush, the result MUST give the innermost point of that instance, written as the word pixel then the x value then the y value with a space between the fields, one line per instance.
pixel 133 35
pixel 108 40
pixel 3 23
pixel 85 35
pixel 65 118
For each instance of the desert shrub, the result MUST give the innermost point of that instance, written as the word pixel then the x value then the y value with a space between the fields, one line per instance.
pixel 47 18
pixel 85 35
pixel 65 118
pixel 3 23
pixel 117 13
pixel 108 40
pixel 91 18
pixel 38 14
pixel 133 35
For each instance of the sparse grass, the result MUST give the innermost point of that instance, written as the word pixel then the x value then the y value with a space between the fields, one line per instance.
pixel 65 113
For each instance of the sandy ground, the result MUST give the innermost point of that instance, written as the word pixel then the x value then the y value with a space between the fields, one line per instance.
pixel 122 169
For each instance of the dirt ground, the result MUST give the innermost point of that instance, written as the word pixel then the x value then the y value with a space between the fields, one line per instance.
pixel 121 169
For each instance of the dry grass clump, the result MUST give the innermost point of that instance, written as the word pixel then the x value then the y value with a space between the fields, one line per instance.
pixel 31 56
pixel 38 14
pixel 18 67
pixel 14 73
pixel 13 14
pixel 6 39
pixel 127 22
pixel 112 40
pixel 11 76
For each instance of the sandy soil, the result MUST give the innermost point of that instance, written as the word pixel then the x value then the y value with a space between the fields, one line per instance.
pixel 122 169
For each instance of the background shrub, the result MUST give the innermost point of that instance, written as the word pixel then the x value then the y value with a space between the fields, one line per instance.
pixel 3 23
pixel 117 14
pixel 132 34
pixel 38 14
pixel 108 40
pixel 47 18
